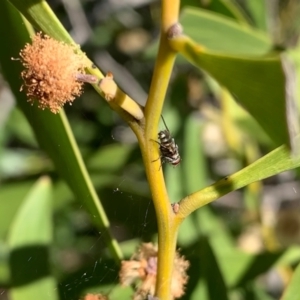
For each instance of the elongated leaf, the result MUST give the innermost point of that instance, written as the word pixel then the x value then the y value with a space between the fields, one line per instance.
pixel 258 84
pixel 229 9
pixel 258 12
pixel 29 240
pixel 52 131
pixel 110 158
pixel 238 59
pixel 212 273
pixel 203 221
pixel 220 34
pixel 242 60
pixel 259 264
pixel 293 290
pixel 275 162
pixel 201 291
pixel 11 197
pixel 40 15
pixel 4 265
pixel 195 168
pixel 223 35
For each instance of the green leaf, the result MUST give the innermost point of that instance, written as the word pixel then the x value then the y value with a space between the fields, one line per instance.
pixel 235 121
pixel 230 9
pixel 211 272
pixel 200 291
pixel 290 257
pixel 221 34
pixel 110 158
pixel 234 264
pixel 240 268
pixel 257 83
pixel 23 162
pixel 258 12
pixel 33 218
pixel 203 221
pixel 52 131
pixel 29 240
pixel 259 264
pixel 237 57
pixel 195 168
pixel 292 292
pixel 20 128
pixel 275 162
pixel 11 197
pixel 255 291
pixel 4 266
pixel 40 15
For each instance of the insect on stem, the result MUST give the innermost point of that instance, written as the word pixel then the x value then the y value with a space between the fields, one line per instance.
pixel 168 148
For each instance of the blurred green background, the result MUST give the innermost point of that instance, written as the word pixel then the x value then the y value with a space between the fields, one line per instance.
pixel 243 246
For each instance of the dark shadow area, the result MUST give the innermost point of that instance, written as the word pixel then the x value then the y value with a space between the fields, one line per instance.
pixel 204 266
pixel 103 272
pixel 259 265
pixel 28 264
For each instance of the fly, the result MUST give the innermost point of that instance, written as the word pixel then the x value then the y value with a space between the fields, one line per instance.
pixel 168 148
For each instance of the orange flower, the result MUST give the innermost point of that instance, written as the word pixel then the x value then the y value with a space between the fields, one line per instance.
pixel 141 270
pixel 53 72
pixel 94 297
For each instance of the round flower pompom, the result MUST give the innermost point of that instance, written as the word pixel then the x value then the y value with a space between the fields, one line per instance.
pixel 141 270
pixel 94 297
pixel 51 72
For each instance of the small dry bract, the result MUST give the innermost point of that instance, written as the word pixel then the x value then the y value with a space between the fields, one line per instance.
pixel 51 70
pixel 108 86
pixel 141 270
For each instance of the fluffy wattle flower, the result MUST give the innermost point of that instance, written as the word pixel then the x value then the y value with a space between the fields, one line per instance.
pixel 51 72
pixel 141 270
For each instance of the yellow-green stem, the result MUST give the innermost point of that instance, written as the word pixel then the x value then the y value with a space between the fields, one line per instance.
pixel 169 13
pixel 167 222
pixel 167 229
pixel 166 254
pixel 159 85
pixel 166 234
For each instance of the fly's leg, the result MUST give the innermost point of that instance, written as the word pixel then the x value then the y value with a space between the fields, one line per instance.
pixel 160 157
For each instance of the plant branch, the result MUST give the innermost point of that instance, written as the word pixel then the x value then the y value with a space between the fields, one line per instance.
pixel 41 16
pixel 167 223
pixel 56 139
pixel 277 161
